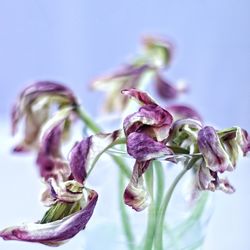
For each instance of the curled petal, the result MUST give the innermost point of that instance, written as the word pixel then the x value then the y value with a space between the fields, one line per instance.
pixel 158 50
pixel 54 233
pixel 213 152
pixel 49 159
pixel 85 153
pixel 128 76
pixel 149 117
pixel 168 91
pixel 209 180
pixel 68 191
pixel 184 112
pixel 144 148
pixel 135 194
pixel 34 120
pixel 40 89
pixel 140 96
pixel 184 133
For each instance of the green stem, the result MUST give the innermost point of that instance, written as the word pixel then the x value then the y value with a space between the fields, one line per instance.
pixel 148 240
pixel 165 203
pixel 124 171
pixel 96 129
pixel 125 217
pixel 87 120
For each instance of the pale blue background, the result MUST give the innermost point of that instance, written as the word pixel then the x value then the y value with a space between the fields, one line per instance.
pixel 73 41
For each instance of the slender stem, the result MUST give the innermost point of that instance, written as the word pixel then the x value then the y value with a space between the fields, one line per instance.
pixel 165 203
pixel 96 129
pixel 160 182
pixel 125 217
pixel 87 120
pixel 149 237
pixel 124 171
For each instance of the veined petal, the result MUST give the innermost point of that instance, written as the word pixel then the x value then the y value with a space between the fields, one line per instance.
pixel 144 148
pixel 184 134
pixel 149 116
pixel 140 96
pixel 135 194
pixel 167 90
pixel 209 180
pixel 128 76
pixel 213 152
pixel 85 153
pixel 40 89
pixel 49 159
pixel 65 191
pixel 54 233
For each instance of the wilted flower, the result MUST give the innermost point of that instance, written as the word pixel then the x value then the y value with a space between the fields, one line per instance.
pixel 184 134
pixel 34 105
pixel 236 142
pixel 220 151
pixel 56 232
pixel 146 131
pixel 144 69
pixel 128 76
pixel 69 210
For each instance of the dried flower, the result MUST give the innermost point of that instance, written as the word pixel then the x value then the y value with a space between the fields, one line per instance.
pixel 146 131
pixel 33 105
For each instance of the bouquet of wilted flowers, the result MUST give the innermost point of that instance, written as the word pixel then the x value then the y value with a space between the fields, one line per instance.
pixel 152 135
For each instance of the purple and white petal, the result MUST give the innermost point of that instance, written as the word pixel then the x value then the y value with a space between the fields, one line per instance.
pixel 33 104
pixel 135 194
pixel 64 191
pixel 149 116
pixel 86 152
pixel 140 96
pixel 54 233
pixel 184 133
pixel 144 148
pixel 184 112
pixel 167 90
pixel 214 154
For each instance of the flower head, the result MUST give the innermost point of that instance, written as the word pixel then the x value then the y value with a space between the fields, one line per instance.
pixel 33 105
pixel 146 131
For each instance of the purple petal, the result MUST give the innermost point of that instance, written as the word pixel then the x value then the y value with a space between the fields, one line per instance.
pixel 128 76
pixel 168 91
pixel 150 117
pixel 213 152
pixel 144 148
pixel 49 159
pixel 209 180
pixel 140 96
pixel 184 112
pixel 135 194
pixel 85 153
pixel 54 233
pixel 36 90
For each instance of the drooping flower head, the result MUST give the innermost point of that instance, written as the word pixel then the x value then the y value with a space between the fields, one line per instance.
pixel 144 69
pixel 34 105
pixel 146 132
pixel 220 151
